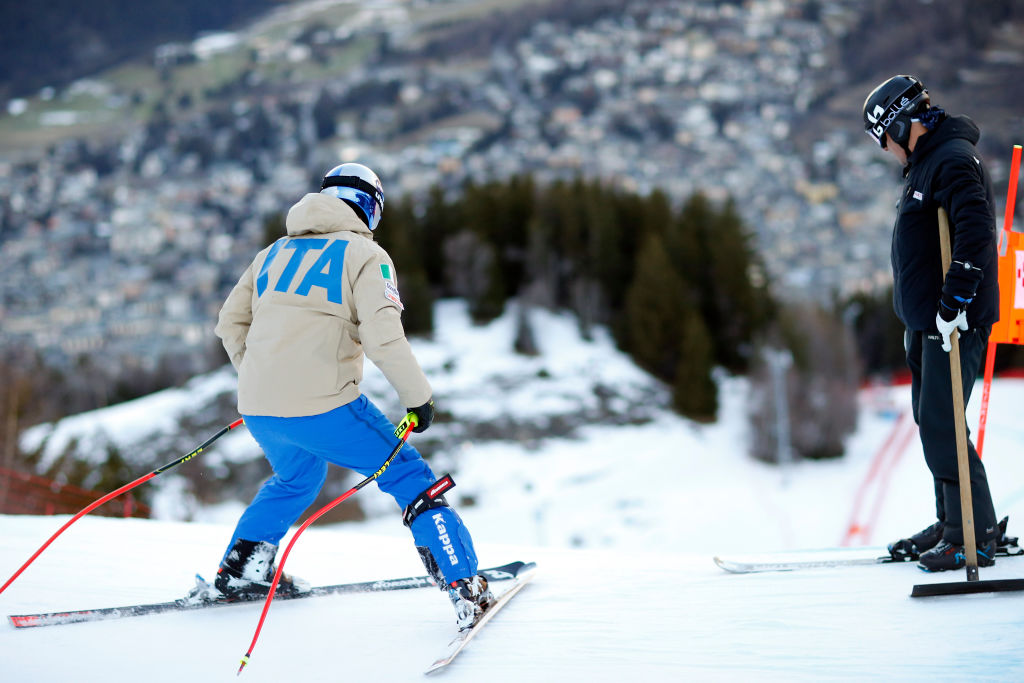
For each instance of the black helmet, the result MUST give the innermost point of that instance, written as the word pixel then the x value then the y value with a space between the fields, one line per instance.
pixel 890 106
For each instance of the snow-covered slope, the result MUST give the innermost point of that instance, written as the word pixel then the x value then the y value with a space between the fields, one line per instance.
pixel 623 519
pixel 608 615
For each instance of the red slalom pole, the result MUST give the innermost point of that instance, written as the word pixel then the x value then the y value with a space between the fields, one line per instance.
pixel 986 392
pixel 114 494
pixel 402 432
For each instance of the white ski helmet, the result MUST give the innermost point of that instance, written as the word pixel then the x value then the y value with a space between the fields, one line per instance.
pixel 359 187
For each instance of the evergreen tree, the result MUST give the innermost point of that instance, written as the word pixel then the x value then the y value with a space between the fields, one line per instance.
pixel 440 220
pixel 568 227
pixel 613 248
pixel 487 301
pixel 666 335
pixel 740 304
pixel 655 312
pixel 694 392
pixel 734 298
pixel 683 246
pixel 655 215
pixel 673 286
pixel 498 214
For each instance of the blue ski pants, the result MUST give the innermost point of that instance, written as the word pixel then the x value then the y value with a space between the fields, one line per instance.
pixel 356 436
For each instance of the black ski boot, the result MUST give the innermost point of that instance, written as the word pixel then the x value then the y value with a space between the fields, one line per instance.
pixel 908 549
pixel 1007 544
pixel 248 570
pixel 946 556
pixel 471 598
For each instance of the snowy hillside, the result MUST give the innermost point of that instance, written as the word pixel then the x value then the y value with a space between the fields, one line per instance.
pixel 623 519
pixel 629 473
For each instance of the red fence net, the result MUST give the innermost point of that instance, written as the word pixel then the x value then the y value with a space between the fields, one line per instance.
pixel 29 494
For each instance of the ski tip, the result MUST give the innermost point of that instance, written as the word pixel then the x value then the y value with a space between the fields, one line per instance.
pixel 524 570
pixel 23 620
pixel 508 571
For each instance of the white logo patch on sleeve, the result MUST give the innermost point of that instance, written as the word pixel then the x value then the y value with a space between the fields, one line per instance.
pixel 390 289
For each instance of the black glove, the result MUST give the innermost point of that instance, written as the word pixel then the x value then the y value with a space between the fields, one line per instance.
pixel 950 307
pixel 424 416
pixel 959 287
pixel 952 313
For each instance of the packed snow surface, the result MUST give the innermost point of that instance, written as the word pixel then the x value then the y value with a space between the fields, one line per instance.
pixel 602 615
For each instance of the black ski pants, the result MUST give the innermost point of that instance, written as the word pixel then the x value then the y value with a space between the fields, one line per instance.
pixel 932 400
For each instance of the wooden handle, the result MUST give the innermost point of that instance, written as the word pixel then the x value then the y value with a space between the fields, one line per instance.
pixel 960 420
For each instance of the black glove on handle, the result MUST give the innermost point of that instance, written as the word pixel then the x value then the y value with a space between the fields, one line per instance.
pixel 958 291
pixel 424 416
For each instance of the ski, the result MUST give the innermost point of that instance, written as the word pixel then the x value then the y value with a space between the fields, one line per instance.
pixel 459 643
pixel 823 559
pixel 811 559
pixel 502 573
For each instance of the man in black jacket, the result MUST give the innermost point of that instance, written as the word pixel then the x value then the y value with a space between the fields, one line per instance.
pixel 941 168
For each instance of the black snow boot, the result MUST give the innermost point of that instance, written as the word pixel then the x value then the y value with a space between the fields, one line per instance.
pixel 908 549
pixel 946 556
pixel 248 570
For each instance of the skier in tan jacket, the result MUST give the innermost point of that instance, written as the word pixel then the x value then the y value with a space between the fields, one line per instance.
pixel 296 327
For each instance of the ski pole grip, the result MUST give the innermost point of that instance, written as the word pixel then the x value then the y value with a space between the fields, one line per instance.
pixel 406 425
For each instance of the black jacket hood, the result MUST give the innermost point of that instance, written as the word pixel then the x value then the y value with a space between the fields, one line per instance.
pixel 949 128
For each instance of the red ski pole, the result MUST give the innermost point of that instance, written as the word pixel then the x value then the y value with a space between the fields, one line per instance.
pixel 114 494
pixel 402 432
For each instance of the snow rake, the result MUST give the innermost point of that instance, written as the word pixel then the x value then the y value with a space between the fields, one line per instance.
pixel 973 584
pixel 114 494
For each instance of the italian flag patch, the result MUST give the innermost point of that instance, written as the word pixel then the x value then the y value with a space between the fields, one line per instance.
pixel 390 289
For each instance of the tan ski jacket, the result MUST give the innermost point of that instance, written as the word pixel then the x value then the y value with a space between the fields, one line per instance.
pixel 305 311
